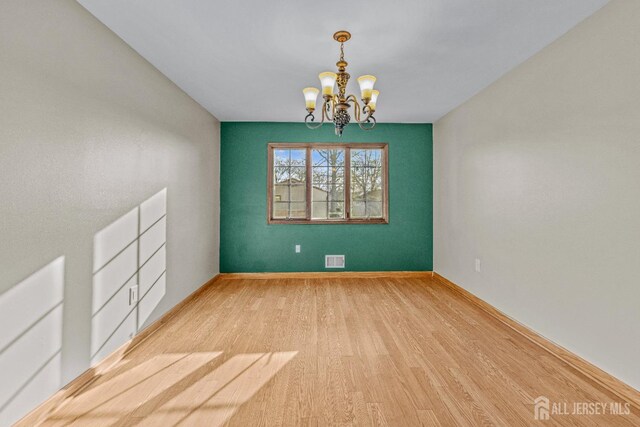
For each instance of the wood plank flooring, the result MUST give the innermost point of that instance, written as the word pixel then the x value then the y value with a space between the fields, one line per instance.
pixel 333 351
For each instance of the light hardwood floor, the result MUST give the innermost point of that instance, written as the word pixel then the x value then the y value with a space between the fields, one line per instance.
pixel 328 351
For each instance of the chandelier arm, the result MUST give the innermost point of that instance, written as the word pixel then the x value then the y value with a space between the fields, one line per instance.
pixel 329 107
pixel 356 107
pixel 351 98
pixel 357 110
pixel 369 114
pixel 368 123
pixel 309 119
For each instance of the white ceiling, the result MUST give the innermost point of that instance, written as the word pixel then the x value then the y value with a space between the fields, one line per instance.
pixel 249 59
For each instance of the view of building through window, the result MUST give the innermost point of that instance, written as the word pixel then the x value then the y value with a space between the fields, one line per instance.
pixel 366 183
pixel 328 183
pixel 289 184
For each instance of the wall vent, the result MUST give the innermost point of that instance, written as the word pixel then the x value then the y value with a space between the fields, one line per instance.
pixel 334 261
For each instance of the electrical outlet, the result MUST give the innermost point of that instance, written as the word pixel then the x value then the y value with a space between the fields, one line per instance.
pixel 297 249
pixel 133 295
pixel 478 265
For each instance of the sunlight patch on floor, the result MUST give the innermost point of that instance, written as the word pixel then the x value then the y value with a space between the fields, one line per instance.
pixel 216 397
pixel 119 393
pixel 177 389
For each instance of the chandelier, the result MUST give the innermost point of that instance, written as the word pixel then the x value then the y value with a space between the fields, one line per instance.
pixel 335 106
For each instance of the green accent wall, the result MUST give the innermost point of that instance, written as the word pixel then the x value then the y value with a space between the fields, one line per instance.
pixel 249 244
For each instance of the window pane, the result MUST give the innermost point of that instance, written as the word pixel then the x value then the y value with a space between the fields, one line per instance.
pixel 367 177
pixel 280 174
pixel 366 157
pixel 374 210
pixel 374 184
pixel 319 194
pixel 358 183
pixel 320 176
pixel 336 210
pixel 281 193
pixel 358 209
pixel 373 157
pixel 357 157
pixel 280 209
pixel 319 157
pixel 328 157
pixel 298 192
pixel 328 210
pixel 289 183
pixel 328 183
pixel 298 157
pixel 297 174
pixel 281 157
pixel 298 210
pixel 328 175
pixel 336 174
pixel 374 193
pixel 335 193
pixel 287 157
pixel 319 210
pixel 374 196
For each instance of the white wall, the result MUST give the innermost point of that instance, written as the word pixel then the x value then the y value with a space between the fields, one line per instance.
pixel 539 177
pixel 89 131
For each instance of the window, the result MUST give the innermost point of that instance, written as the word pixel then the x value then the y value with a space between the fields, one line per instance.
pixel 327 183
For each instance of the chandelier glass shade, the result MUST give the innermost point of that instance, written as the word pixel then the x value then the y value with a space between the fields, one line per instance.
pixel 335 106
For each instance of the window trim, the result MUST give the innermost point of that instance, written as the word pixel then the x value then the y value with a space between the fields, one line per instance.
pixel 347 177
